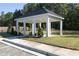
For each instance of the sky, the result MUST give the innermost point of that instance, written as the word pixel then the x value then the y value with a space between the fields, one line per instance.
pixel 10 7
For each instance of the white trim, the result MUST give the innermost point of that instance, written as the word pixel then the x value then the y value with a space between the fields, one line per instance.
pixel 41 14
pixel 32 16
pixel 38 18
pixel 55 16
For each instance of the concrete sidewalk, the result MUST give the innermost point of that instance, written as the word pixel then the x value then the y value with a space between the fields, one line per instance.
pixel 51 49
pixel 6 50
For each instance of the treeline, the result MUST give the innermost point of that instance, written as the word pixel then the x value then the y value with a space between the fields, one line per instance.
pixel 69 11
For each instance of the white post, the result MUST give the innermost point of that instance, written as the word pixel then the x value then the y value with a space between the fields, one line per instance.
pixel 35 27
pixel 17 27
pixel 24 25
pixel 40 25
pixel 48 27
pixel 61 27
pixel 32 29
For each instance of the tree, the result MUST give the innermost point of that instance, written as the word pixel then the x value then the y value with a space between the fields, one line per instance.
pixel 17 14
pixel 9 20
pixel 2 18
pixel 29 7
pixel 10 17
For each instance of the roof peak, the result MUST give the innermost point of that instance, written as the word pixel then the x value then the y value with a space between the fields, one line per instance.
pixel 41 10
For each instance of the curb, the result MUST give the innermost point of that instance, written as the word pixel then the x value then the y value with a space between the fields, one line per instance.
pixel 30 48
pixel 26 50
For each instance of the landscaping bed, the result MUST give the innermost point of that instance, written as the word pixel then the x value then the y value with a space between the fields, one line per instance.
pixel 69 42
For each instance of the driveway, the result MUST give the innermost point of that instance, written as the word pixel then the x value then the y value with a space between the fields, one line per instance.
pixel 6 50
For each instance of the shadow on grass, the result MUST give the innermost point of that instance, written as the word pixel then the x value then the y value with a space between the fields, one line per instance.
pixel 5 34
pixel 10 36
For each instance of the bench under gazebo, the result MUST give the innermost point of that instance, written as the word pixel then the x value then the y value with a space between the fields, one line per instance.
pixel 41 15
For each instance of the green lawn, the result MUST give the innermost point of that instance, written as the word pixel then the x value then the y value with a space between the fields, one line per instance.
pixel 71 42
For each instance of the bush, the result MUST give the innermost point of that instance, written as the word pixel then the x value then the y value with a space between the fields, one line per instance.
pixel 30 34
pixel 40 32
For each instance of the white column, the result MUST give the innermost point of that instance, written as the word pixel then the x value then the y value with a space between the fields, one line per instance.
pixel 24 25
pixel 33 29
pixel 17 27
pixel 40 25
pixel 48 27
pixel 61 27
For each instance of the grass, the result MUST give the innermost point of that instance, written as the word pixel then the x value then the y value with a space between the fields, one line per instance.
pixel 70 42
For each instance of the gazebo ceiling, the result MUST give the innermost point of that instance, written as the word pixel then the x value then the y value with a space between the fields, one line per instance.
pixel 40 15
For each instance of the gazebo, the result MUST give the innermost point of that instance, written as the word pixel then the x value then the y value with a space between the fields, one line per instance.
pixel 40 15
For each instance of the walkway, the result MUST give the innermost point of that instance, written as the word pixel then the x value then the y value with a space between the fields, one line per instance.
pixel 6 50
pixel 47 48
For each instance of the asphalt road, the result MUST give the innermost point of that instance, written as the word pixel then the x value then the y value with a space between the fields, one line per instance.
pixel 6 50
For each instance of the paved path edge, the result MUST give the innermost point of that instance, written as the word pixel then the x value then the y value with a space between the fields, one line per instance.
pixel 26 50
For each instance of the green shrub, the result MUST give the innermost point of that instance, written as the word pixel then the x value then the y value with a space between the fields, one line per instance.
pixel 40 32
pixel 30 34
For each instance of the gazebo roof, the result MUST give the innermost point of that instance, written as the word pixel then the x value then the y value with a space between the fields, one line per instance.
pixel 40 15
pixel 39 11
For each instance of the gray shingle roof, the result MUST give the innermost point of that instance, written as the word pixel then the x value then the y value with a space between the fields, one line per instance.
pixel 37 12
pixel 40 11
